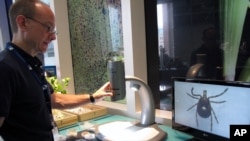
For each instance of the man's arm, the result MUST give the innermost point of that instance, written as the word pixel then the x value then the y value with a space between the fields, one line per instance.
pixel 63 101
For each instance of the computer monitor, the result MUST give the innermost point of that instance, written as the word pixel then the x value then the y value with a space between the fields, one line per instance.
pixel 205 109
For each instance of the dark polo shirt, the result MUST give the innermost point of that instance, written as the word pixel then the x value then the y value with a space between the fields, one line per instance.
pixel 22 100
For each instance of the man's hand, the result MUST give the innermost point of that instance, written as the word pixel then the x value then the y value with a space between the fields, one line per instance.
pixel 105 90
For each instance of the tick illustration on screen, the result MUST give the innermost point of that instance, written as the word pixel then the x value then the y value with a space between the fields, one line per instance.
pixel 204 108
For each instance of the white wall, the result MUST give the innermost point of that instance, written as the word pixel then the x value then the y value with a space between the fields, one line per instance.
pixel 62 44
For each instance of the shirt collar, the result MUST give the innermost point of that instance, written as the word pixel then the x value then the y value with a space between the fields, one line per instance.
pixel 33 61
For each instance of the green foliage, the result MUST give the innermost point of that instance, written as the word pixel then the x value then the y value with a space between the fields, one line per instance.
pixel 59 86
pixel 115 55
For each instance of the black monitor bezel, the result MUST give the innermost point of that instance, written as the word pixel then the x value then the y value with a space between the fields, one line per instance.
pixel 198 134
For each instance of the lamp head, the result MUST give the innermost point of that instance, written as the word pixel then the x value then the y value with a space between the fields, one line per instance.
pixel 135 87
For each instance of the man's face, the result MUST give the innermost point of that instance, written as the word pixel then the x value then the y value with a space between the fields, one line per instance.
pixel 42 30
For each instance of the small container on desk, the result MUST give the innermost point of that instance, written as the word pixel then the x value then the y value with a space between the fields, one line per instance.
pixel 88 112
pixel 64 119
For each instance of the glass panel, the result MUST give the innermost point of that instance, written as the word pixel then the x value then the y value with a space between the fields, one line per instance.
pixel 96 36
pixel 49 55
pixel 1 40
pixel 205 39
pixel 4 26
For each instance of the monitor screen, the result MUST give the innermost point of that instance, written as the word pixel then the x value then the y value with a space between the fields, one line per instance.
pixel 207 108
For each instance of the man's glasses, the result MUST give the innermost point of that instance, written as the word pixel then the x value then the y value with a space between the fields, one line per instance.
pixel 49 28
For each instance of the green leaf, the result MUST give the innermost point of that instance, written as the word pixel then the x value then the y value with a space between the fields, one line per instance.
pixel 59 86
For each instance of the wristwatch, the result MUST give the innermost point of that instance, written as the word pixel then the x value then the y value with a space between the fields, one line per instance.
pixel 91 98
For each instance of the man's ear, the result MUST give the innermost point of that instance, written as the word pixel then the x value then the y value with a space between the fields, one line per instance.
pixel 21 22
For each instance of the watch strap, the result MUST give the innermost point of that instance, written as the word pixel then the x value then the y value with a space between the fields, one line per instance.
pixel 91 98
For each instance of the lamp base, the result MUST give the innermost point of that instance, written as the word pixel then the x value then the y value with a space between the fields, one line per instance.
pixel 127 130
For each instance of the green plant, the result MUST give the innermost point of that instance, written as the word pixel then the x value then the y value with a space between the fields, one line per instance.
pixel 59 86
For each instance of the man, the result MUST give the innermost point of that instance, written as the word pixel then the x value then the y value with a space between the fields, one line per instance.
pixel 26 98
pixel 210 54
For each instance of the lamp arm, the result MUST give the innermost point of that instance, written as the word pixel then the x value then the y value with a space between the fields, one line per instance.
pixel 147 100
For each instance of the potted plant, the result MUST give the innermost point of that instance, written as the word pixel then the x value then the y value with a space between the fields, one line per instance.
pixel 59 86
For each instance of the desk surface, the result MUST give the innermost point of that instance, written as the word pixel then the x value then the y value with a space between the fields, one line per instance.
pixel 173 135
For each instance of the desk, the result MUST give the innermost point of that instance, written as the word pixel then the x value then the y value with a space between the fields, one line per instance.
pixel 173 135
